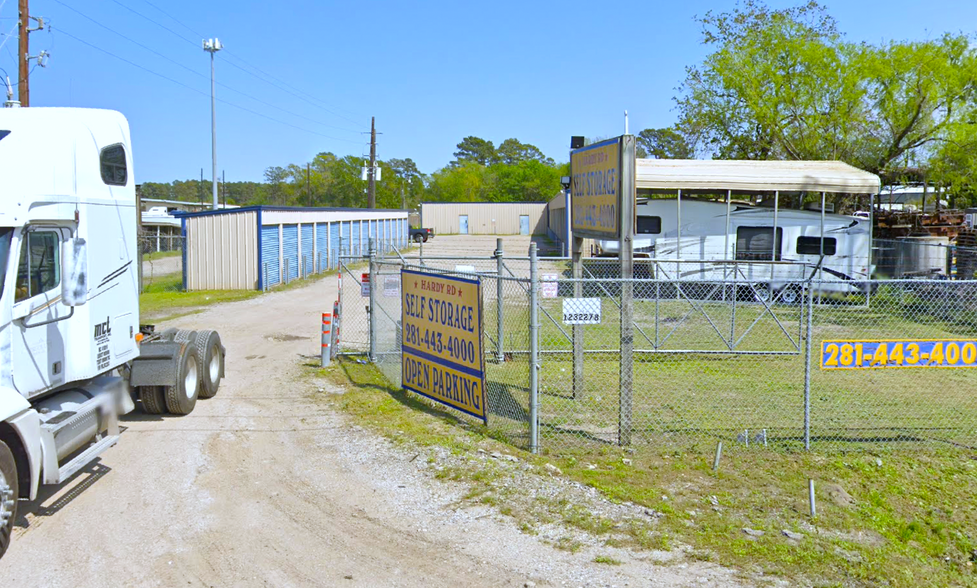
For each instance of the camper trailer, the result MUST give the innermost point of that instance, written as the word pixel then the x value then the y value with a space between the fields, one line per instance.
pixel 717 242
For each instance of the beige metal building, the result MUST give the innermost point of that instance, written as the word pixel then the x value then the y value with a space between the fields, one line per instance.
pixel 484 218
pixel 257 247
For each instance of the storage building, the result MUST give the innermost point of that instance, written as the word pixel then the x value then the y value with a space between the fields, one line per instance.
pixel 256 247
pixel 484 218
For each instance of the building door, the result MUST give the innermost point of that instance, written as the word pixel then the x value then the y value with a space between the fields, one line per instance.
pixel 524 224
pixel 463 224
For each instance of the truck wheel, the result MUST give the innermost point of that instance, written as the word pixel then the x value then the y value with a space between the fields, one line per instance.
pixel 9 493
pixel 418 238
pixel 211 355
pixel 153 400
pixel 184 335
pixel 182 397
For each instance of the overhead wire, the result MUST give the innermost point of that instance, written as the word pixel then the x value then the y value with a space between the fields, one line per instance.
pixel 202 93
pixel 197 73
pixel 265 77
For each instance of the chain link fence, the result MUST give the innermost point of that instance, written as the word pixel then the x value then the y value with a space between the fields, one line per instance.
pixel 721 353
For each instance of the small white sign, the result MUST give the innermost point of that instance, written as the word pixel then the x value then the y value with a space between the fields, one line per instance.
pixel 465 269
pixel 548 288
pixel 581 311
pixel 391 286
pixel 365 285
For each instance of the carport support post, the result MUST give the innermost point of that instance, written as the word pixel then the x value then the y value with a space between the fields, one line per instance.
pixel 372 252
pixel 499 333
pixel 808 344
pixel 533 350
pixel 628 193
pixel 577 275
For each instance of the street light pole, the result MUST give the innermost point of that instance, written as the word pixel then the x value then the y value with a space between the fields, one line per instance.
pixel 213 46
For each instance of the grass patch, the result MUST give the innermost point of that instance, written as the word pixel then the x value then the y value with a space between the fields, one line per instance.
pixel 604 559
pixel 892 518
pixel 164 299
pixel 160 255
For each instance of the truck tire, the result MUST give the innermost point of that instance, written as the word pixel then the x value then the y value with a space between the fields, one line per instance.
pixel 9 493
pixel 419 238
pixel 211 355
pixel 153 401
pixel 184 335
pixel 182 397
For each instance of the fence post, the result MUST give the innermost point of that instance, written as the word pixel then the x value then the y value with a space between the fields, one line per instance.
pixel 334 351
pixel 286 271
pixel 808 345
pixel 499 353
pixel 372 254
pixel 533 350
pixel 264 285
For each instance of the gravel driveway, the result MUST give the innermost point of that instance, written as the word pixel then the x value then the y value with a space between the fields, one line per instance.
pixel 261 486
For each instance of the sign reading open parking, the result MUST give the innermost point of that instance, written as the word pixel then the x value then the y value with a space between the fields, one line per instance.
pixel 442 354
pixel 595 190
pixel 902 353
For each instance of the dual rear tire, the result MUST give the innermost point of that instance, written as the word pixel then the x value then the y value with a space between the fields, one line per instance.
pixel 200 368
pixel 9 493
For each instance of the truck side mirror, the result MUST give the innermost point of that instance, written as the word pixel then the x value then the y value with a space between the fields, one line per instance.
pixel 74 264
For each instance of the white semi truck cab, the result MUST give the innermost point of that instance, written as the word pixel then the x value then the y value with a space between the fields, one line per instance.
pixel 73 355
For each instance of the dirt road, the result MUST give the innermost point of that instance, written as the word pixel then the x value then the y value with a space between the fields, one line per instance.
pixel 261 486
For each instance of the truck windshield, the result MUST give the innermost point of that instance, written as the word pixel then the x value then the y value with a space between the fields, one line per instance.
pixel 5 233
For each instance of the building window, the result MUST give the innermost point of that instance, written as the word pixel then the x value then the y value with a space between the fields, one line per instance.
pixel 812 246
pixel 113 160
pixel 649 225
pixel 40 265
pixel 756 244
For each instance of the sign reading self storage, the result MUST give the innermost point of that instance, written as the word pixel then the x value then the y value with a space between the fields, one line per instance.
pixel 595 190
pixel 443 357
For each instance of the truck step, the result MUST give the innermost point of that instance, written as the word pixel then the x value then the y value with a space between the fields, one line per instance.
pixel 86 457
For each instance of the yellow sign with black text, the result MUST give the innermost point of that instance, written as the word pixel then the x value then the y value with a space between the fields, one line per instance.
pixel 442 355
pixel 595 190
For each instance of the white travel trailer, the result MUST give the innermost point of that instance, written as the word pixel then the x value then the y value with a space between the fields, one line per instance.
pixel 772 249
pixel 706 240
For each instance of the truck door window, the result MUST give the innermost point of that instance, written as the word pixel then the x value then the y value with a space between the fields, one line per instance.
pixel 40 264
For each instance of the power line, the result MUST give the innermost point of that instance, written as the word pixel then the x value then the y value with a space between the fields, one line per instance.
pixel 197 73
pixel 265 77
pixel 192 89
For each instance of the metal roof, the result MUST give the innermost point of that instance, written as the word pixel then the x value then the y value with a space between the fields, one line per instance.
pixel 754 176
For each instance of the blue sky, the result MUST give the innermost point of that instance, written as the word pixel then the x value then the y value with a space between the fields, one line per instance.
pixel 431 72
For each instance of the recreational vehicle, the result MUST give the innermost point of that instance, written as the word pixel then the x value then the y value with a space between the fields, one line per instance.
pixel 712 241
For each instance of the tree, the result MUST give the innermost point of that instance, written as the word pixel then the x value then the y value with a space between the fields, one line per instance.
pixel 475 149
pixel 663 144
pixel 784 84
pixel 512 151
pixel 275 176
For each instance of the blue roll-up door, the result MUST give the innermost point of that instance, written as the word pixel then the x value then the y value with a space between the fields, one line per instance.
pixel 355 239
pixel 290 250
pixel 269 255
pixel 387 234
pixel 345 230
pixel 334 236
pixel 307 243
pixel 322 245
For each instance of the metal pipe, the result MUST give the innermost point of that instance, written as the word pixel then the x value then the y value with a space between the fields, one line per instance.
pixel 373 292
pixel 808 346
pixel 325 352
pixel 500 267
pixel 810 497
pixel 719 454
pixel 533 350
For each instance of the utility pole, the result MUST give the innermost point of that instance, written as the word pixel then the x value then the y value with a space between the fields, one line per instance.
pixel 307 188
pixel 200 187
pixel 224 187
pixel 213 46
pixel 371 194
pixel 23 52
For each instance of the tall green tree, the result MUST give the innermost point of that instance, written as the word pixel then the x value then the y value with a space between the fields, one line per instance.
pixel 663 144
pixel 475 150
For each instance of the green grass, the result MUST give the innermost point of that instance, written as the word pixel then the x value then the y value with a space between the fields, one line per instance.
pixel 909 521
pixel 160 255
pixel 164 298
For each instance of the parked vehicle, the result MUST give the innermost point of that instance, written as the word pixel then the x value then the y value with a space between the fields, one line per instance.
pixel 421 235
pixel 73 356
pixel 715 248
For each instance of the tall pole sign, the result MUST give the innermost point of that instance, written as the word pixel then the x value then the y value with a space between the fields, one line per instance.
pixel 602 195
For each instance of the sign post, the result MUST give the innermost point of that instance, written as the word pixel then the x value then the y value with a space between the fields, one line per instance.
pixel 443 357
pixel 602 195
